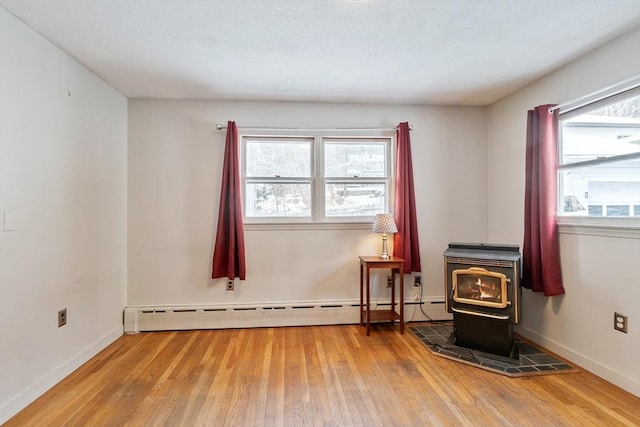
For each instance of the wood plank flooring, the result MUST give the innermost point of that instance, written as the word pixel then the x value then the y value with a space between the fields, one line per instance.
pixel 312 376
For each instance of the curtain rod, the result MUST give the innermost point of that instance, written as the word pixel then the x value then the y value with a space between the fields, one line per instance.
pixel 600 94
pixel 220 127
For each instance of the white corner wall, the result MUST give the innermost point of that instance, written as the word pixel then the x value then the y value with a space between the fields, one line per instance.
pixel 63 136
pixel 175 160
pixel 601 273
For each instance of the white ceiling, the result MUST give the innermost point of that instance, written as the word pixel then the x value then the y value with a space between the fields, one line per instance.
pixel 451 52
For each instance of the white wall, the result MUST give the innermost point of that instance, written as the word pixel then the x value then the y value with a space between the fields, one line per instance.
pixel 601 273
pixel 175 159
pixel 63 199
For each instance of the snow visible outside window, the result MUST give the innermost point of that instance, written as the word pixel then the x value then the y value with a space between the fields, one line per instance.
pixel 315 178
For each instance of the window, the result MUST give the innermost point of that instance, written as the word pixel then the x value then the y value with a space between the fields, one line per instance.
pixel 315 178
pixel 278 177
pixel 599 158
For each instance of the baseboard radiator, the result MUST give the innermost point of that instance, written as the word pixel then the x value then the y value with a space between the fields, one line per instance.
pixel 175 318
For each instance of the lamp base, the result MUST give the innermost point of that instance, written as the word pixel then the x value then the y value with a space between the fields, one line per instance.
pixel 384 254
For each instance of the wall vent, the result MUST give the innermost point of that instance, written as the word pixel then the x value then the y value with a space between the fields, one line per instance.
pixel 485 262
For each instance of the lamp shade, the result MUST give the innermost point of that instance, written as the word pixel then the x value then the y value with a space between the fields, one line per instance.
pixel 384 224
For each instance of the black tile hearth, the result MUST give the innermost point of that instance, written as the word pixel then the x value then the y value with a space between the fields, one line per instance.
pixel 525 359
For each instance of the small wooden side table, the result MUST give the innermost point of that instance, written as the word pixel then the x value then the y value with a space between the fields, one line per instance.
pixel 366 314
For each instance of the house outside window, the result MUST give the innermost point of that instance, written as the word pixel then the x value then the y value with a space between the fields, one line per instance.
pixel 599 158
pixel 315 178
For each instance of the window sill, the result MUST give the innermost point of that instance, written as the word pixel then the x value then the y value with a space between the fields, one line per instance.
pixel 627 228
pixel 309 226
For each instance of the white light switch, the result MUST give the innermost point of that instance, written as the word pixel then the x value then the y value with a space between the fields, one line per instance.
pixel 8 221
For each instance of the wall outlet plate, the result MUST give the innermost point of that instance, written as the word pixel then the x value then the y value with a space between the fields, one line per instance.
pixel 62 317
pixel 230 285
pixel 620 322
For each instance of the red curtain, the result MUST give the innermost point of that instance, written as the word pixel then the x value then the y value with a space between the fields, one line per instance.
pixel 228 253
pixel 405 242
pixel 541 249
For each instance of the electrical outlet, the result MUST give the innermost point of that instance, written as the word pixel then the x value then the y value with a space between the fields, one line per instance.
pixel 417 281
pixel 230 285
pixel 62 317
pixel 620 322
pixel 388 281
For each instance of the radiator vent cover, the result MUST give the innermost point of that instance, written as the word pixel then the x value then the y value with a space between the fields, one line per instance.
pixel 163 318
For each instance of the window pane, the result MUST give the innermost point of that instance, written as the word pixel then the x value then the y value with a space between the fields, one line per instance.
pixel 285 158
pixel 618 210
pixel 602 132
pixel 595 210
pixel 610 184
pixel 349 159
pixel 354 199
pixel 277 200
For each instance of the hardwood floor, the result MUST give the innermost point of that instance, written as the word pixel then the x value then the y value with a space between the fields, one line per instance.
pixel 312 376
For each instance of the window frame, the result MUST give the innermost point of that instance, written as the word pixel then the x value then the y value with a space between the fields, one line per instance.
pixel 318 218
pixel 387 179
pixel 244 179
pixel 613 226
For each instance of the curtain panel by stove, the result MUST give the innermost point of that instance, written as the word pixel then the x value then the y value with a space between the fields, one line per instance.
pixel 405 241
pixel 228 253
pixel 541 248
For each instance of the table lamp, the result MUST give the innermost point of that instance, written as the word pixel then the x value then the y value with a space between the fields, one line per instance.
pixel 384 224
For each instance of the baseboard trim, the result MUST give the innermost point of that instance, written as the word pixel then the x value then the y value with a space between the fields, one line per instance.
pixel 595 368
pixel 301 313
pixel 14 405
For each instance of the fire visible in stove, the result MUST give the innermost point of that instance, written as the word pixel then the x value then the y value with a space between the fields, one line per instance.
pixel 486 290
pixel 480 290
pixel 478 286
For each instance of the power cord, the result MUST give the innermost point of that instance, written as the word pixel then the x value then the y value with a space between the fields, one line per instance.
pixel 429 319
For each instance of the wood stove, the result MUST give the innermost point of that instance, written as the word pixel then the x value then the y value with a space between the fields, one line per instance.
pixel 482 288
